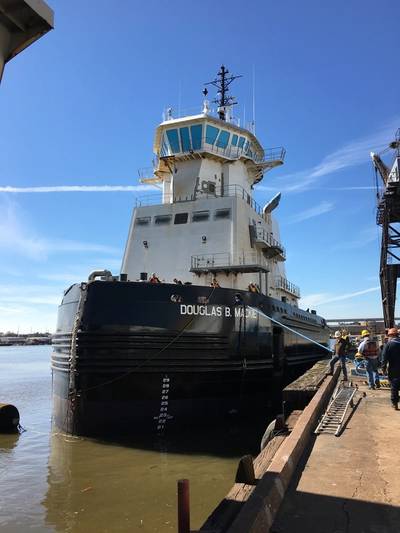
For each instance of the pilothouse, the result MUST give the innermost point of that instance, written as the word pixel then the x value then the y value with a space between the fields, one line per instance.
pixel 201 258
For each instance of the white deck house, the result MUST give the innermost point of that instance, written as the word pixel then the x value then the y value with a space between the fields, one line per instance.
pixel 205 223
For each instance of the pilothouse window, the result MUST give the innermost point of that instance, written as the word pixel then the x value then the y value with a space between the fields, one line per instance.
pixel 143 221
pixel 200 216
pixel 162 220
pixel 222 213
pixel 181 218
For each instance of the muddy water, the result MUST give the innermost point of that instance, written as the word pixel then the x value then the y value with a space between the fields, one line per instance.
pixel 50 482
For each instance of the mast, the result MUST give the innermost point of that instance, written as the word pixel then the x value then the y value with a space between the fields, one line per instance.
pixel 222 83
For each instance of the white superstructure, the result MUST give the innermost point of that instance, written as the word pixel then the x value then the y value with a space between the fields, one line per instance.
pixel 205 223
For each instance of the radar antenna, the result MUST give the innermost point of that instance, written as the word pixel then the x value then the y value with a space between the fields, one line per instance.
pixel 222 82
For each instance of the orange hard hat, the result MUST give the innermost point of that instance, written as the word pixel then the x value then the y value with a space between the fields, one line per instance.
pixel 393 332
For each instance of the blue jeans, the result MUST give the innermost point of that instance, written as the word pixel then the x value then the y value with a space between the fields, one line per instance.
pixel 342 359
pixel 371 366
pixel 394 390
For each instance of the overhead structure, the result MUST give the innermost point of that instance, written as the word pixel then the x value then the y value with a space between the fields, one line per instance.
pixel 22 22
pixel 388 216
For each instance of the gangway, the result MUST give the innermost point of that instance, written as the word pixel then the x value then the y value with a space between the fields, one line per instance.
pixel 333 418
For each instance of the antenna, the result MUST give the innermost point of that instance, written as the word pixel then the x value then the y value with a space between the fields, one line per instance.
pixel 222 82
pixel 254 99
pixel 179 98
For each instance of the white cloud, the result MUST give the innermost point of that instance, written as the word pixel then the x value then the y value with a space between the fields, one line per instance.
pixel 322 299
pixel 317 210
pixel 366 237
pixel 351 154
pixel 77 188
pixel 18 237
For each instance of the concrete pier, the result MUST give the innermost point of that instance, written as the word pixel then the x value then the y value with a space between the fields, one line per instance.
pixel 323 483
pixel 351 483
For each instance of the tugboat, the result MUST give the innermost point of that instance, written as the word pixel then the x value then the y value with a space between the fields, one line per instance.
pixel 201 321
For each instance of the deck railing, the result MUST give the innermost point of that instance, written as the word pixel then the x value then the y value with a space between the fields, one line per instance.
pixel 231 190
pixel 226 259
pixel 266 237
pixel 285 285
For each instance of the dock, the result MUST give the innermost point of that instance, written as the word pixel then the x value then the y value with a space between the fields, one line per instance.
pixel 322 483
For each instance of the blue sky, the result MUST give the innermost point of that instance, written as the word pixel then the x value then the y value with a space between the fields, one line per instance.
pixel 79 108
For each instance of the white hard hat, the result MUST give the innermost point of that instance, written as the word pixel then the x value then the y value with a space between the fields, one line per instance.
pixel 337 334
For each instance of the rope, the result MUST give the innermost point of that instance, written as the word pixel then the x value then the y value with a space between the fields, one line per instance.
pixel 290 329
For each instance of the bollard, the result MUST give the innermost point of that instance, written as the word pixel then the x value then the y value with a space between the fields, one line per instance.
pixel 9 418
pixel 183 506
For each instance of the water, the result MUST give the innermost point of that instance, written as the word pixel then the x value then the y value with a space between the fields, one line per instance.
pixel 51 482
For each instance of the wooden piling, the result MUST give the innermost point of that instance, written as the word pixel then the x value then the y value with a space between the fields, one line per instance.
pixel 183 506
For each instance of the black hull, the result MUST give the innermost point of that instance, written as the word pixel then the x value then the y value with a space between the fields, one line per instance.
pixel 135 357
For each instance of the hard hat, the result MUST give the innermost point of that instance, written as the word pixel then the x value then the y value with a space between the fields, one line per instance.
pixel 393 332
pixel 338 334
pixel 365 333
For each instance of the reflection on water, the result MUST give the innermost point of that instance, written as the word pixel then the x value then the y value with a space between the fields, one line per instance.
pixel 60 483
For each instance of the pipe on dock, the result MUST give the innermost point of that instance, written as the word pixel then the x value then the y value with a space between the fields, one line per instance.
pixel 183 506
pixel 9 418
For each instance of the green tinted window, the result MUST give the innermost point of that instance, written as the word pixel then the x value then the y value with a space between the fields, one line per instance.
pixel 211 134
pixel 185 139
pixel 223 139
pixel 241 142
pixel 234 140
pixel 197 133
pixel 173 140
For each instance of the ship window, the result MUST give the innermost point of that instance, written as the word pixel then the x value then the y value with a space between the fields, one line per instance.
pixel 200 216
pixel 162 219
pixel 211 134
pixel 173 140
pixel 185 139
pixel 234 140
pixel 241 142
pixel 223 139
pixel 222 213
pixel 181 218
pixel 142 221
pixel 164 147
pixel 197 133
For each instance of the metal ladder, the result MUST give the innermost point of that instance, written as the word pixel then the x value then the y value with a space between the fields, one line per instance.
pixel 333 418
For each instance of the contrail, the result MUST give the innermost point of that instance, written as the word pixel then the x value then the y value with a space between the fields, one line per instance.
pixel 77 188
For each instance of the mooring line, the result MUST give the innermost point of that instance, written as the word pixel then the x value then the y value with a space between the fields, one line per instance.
pixel 290 329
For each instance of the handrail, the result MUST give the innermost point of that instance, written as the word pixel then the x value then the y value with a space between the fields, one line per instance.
pixel 282 283
pixel 266 237
pixel 228 191
pixel 227 259
pixel 247 150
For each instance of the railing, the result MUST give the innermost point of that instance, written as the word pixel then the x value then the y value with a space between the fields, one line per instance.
pixel 229 191
pixel 226 259
pixel 267 155
pixel 173 114
pixel 265 236
pixel 285 285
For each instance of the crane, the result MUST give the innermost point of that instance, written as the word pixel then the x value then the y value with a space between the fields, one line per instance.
pixel 388 216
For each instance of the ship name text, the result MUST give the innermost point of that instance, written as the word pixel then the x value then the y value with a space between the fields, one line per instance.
pixel 217 311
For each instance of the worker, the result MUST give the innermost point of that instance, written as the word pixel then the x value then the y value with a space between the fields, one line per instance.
pixel 253 288
pixel 339 354
pixel 391 357
pixel 154 279
pixel 370 352
pixel 346 337
pixel 177 281
pixel 215 284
